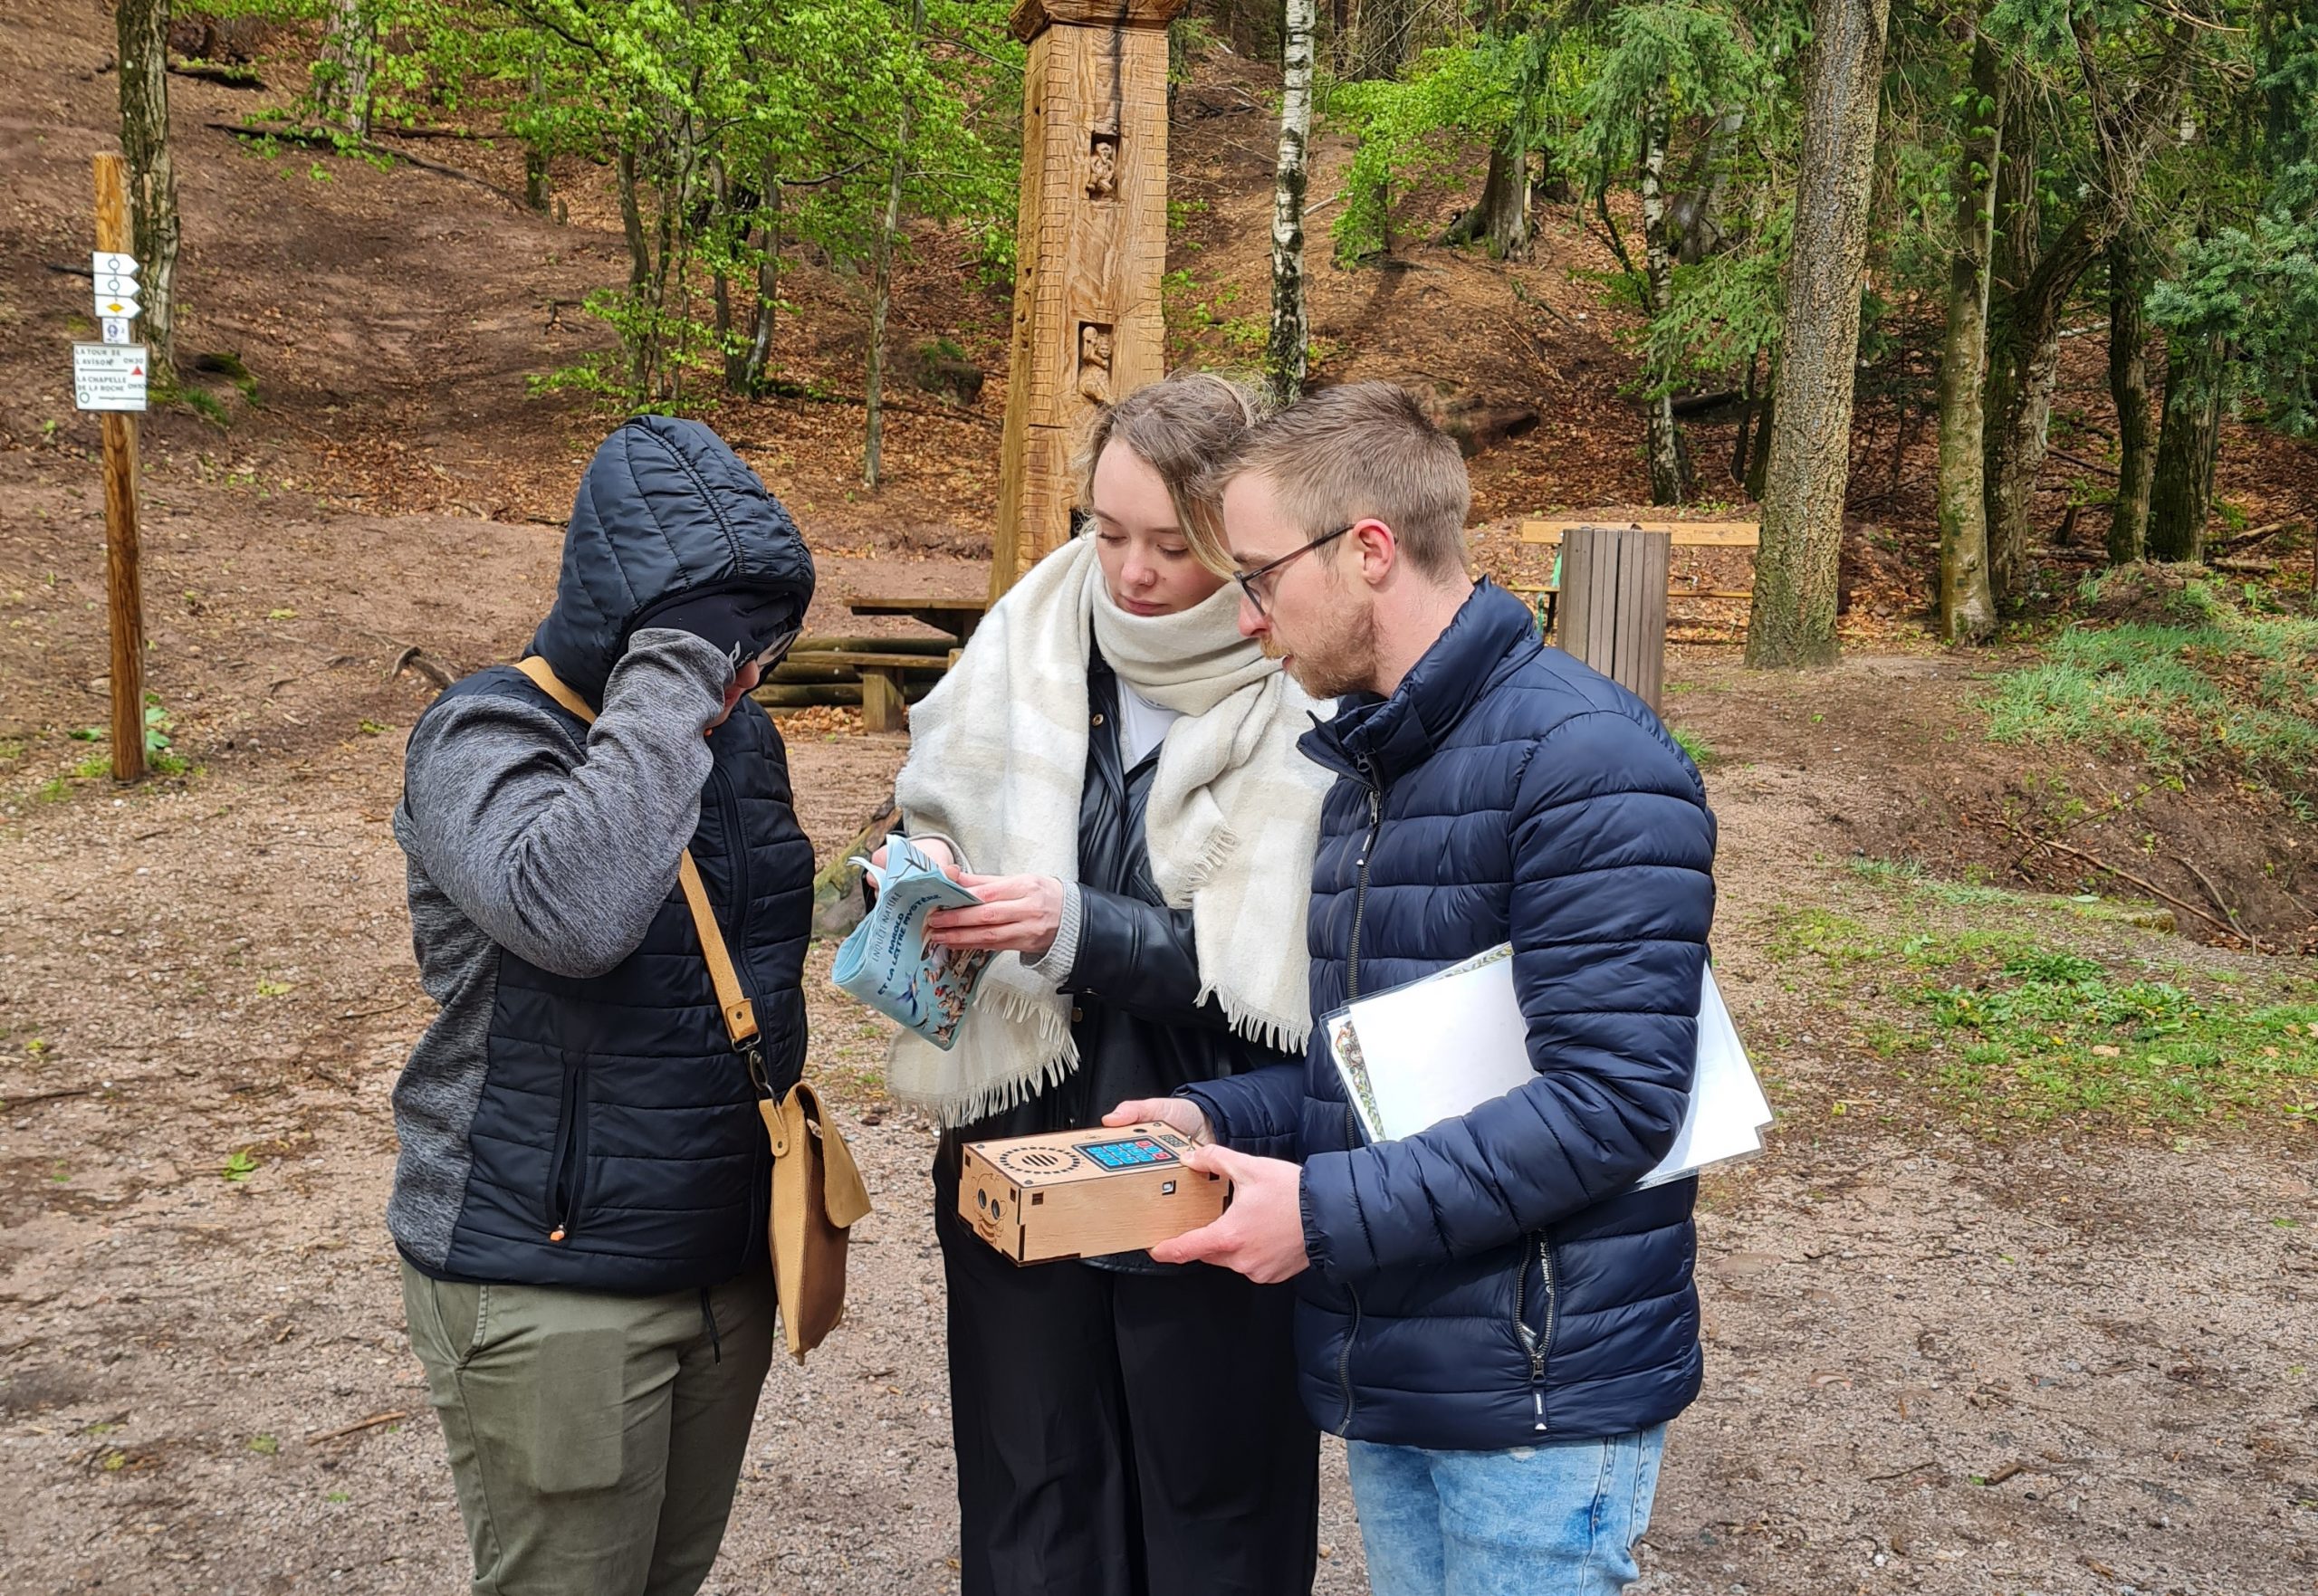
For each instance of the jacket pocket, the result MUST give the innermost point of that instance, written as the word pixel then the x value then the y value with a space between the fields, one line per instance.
pixel 568 1164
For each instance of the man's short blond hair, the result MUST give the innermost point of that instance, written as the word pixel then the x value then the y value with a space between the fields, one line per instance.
pixel 1358 451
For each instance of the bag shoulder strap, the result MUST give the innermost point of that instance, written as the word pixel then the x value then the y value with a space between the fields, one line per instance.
pixel 740 1014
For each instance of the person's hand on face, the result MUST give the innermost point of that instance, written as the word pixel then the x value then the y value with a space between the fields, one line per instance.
pixel 1148 567
pixel 1018 914
pixel 744 682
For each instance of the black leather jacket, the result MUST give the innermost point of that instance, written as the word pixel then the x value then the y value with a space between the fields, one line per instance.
pixel 1135 983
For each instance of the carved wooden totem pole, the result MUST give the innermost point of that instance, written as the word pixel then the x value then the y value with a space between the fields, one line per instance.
pixel 1092 243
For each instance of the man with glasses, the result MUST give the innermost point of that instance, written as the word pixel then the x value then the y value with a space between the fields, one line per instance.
pixel 580 1202
pixel 1499 1322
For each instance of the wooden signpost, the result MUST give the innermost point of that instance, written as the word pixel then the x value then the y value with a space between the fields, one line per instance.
pixel 111 378
pixel 1093 245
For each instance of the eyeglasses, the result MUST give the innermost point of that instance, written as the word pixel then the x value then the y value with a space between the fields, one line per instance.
pixel 770 655
pixel 1248 580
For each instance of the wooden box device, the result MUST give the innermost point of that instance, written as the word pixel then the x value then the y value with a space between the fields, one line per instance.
pixel 1072 1194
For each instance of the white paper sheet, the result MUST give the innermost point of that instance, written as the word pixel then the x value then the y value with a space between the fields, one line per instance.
pixel 1438 1048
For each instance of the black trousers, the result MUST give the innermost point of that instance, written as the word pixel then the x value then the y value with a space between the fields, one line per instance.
pixel 1125 1435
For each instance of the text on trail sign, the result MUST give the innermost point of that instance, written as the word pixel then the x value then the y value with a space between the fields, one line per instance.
pixel 109 376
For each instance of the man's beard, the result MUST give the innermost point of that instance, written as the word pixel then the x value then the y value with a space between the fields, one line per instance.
pixel 1345 662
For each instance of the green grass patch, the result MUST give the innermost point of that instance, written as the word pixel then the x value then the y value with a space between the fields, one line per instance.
pixel 1700 750
pixel 2024 1030
pixel 2216 684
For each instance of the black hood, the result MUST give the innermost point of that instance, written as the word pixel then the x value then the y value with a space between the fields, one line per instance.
pixel 666 513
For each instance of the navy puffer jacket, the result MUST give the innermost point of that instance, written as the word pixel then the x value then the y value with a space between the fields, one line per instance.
pixel 1495 1280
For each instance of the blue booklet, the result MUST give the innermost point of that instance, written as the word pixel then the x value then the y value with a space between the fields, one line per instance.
pixel 886 963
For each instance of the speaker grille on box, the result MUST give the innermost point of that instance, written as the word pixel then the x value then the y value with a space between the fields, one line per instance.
pixel 1035 1160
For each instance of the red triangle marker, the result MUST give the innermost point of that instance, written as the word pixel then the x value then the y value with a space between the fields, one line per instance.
pixel 137 371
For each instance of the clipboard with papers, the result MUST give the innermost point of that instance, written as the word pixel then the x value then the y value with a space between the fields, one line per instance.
pixel 1438 1048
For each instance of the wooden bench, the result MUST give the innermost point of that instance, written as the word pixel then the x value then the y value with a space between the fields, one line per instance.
pixel 1684 534
pixel 881 681
pixel 956 616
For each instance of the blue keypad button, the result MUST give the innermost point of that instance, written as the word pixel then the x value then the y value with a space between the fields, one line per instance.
pixel 1127 1155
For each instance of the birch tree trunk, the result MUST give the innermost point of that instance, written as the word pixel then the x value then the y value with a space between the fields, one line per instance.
pixel 1285 353
pixel 342 73
pixel 881 287
pixel 2129 386
pixel 1798 571
pixel 1670 467
pixel 143 27
pixel 1967 601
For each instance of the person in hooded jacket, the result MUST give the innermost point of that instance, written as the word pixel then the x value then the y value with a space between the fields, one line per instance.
pixel 1114 765
pixel 579 1199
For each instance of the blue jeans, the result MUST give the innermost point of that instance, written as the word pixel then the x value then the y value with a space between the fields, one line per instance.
pixel 1553 1520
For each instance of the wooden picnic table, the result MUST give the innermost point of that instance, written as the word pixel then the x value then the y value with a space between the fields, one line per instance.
pixel 957 616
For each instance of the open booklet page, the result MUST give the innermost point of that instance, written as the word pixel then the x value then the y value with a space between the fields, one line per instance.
pixel 886 962
pixel 1435 1048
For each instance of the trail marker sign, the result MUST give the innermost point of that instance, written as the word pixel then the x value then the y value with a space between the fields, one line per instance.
pixel 105 263
pixel 116 328
pixel 109 376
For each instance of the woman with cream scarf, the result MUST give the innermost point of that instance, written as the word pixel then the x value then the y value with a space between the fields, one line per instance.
pixel 1111 768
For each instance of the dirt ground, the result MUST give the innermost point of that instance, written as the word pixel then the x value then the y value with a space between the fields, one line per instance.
pixel 2071 1360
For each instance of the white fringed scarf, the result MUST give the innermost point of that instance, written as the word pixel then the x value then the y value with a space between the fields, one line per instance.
pixel 998 760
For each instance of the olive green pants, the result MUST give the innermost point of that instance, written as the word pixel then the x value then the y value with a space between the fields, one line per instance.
pixel 595 1440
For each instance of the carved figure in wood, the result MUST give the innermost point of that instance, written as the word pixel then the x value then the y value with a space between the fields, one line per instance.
pixel 1095 363
pixel 1103 167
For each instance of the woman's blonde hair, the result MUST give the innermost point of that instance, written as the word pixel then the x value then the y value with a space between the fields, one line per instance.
pixel 1179 427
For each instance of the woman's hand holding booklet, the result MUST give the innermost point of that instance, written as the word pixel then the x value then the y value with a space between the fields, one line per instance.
pixel 889 963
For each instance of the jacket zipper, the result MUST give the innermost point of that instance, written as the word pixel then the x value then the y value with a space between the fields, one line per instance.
pixel 736 928
pixel 1360 892
pixel 736 848
pixel 565 1180
pixel 1351 983
pixel 1532 1342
